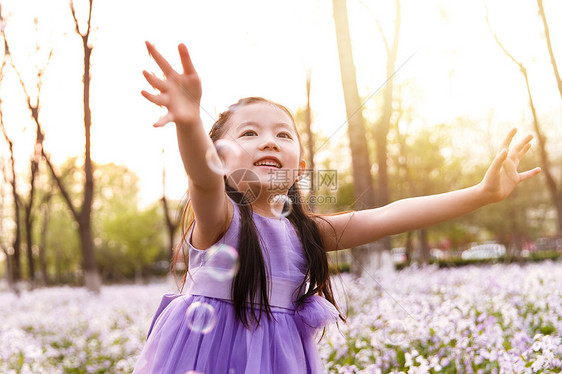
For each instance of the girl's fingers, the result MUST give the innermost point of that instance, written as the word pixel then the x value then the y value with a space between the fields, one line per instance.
pixel 516 150
pixel 524 150
pixel 498 161
pixel 528 174
pixel 509 138
pixel 155 82
pixel 160 60
pixel 163 120
pixel 156 99
pixel 186 60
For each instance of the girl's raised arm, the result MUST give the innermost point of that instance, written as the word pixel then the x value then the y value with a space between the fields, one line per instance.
pixel 181 95
pixel 365 226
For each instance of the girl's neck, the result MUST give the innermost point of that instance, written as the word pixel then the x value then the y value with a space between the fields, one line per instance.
pixel 263 207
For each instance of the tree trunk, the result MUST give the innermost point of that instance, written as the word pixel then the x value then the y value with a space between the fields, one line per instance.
pixel 516 242
pixel 28 218
pixel 310 144
pixel 17 235
pixel 171 223
pixel 92 279
pixel 383 126
pixel 29 246
pixel 9 267
pixel 9 271
pixel 423 246
pixel 545 162
pixel 43 244
pixel 409 249
pixel 363 183
pixel 34 168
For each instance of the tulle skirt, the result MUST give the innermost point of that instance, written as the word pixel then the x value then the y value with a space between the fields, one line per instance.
pixel 198 334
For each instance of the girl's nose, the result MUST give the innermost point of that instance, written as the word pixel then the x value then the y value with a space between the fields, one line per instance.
pixel 269 143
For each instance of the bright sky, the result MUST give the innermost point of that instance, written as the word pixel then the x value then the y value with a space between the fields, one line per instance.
pixel 263 48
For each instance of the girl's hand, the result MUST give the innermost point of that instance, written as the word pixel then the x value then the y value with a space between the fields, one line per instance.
pixel 179 93
pixel 502 176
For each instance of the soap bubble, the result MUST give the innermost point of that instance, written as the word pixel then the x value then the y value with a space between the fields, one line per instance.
pixel 281 205
pixel 222 158
pixel 221 260
pixel 394 332
pixel 201 317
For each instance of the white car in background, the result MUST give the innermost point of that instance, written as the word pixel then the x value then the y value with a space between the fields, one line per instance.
pixel 484 251
pixel 399 255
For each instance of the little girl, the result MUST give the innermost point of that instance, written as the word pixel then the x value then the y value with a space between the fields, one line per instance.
pixel 256 309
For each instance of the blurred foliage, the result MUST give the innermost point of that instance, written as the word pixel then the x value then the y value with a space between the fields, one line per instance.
pixel 428 162
pixel 127 239
pixel 522 216
pixel 537 256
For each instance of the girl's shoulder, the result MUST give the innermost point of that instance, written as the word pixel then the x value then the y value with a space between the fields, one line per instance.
pixel 229 234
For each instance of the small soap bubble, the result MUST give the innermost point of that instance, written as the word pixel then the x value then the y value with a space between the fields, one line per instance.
pixel 281 206
pixel 201 317
pixel 221 260
pixel 222 158
pixel 395 332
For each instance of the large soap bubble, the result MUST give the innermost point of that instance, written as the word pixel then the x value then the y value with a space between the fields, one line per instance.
pixel 222 158
pixel 221 261
pixel 201 317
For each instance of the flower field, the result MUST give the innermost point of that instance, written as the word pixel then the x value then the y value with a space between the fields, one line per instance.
pixel 492 319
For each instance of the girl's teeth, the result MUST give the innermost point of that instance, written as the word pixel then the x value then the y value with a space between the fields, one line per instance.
pixel 267 164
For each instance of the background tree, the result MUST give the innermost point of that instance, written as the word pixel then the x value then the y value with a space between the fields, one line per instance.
pixel 549 47
pixel 424 165
pixel 310 142
pixel 171 217
pixel 521 218
pixel 83 214
pixel 34 109
pixel 129 239
pixel 383 124
pixel 361 166
pixel 10 177
pixel 3 246
pixel 45 210
pixel 547 170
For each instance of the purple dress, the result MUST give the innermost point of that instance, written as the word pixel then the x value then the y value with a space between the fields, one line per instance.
pixel 224 346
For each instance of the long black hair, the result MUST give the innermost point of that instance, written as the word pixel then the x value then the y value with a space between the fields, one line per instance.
pixel 251 280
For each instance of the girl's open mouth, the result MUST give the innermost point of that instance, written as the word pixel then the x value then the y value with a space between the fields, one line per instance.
pixel 268 162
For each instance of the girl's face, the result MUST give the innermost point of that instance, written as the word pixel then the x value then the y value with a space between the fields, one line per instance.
pixel 270 145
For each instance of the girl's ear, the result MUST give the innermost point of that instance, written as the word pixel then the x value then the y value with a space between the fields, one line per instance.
pixel 302 168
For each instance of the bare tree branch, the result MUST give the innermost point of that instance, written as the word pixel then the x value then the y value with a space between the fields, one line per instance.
pixel 555 193
pixel 379 26
pixel 549 45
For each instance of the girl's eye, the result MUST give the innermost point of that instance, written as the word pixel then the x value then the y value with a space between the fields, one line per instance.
pixel 284 135
pixel 249 133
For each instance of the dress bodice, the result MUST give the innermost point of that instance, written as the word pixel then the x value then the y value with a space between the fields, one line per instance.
pixel 283 255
